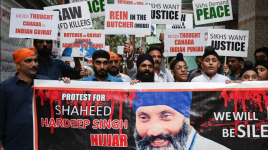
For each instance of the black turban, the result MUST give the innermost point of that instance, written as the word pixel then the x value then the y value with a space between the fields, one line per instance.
pixel 262 62
pixel 210 51
pixel 248 66
pixel 178 59
pixel 100 54
pixel 144 57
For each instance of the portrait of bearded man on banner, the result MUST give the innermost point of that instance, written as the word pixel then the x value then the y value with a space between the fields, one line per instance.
pixel 162 123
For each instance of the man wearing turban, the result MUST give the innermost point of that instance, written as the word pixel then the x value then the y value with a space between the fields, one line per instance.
pixel 162 122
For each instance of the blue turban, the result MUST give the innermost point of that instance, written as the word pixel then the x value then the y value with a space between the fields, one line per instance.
pixel 152 27
pixel 179 101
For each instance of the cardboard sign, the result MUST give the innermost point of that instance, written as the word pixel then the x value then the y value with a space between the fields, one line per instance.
pixel 210 11
pixel 36 24
pixel 129 2
pixel 96 7
pixel 130 19
pixel 79 42
pixel 71 16
pixel 190 42
pixel 186 22
pixel 229 42
pixel 165 12
pixel 120 50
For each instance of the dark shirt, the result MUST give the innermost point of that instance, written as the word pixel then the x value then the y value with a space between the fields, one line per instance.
pixel 233 77
pixel 56 69
pixel 108 79
pixel 16 119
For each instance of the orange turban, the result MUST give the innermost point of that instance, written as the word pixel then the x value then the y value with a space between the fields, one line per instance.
pixel 113 56
pixel 21 54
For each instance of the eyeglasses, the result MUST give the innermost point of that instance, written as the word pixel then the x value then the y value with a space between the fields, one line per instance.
pixel 180 67
pixel 262 56
pixel 42 41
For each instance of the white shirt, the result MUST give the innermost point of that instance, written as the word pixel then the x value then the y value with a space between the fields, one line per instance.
pixel 162 77
pixel 205 78
pixel 124 77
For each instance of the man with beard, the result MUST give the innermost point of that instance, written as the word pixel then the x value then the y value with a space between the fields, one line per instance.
pixel 179 69
pixel 114 66
pixel 51 67
pixel 100 64
pixel 162 123
pixel 235 65
pixel 145 65
pixel 210 64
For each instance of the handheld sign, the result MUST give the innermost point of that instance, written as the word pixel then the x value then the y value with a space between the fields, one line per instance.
pixel 96 7
pixel 36 24
pixel 186 22
pixel 229 42
pixel 79 42
pixel 71 16
pixel 190 42
pixel 210 11
pixel 129 19
pixel 165 12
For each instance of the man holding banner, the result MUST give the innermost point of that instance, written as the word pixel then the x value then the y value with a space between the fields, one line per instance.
pixel 164 124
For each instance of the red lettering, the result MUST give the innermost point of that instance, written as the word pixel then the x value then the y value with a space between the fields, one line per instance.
pixel 52 123
pixel 44 122
pixel 123 140
pixel 94 140
pixel 115 140
pixel 86 123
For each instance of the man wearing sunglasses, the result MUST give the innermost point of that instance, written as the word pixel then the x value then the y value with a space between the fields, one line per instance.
pixel 261 53
pixel 101 65
pixel 51 67
pixel 114 67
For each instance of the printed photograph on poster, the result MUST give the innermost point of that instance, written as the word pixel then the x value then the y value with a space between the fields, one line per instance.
pixel 81 43
pixel 186 22
pixel 35 24
pixel 130 19
pixel 96 7
pixel 229 42
pixel 71 16
pixel 190 42
pixel 211 11
pixel 129 2
pixel 165 12
pixel 56 48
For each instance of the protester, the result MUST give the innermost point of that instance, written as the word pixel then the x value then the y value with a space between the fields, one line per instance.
pixel 121 63
pixel 140 51
pixel 68 63
pixel 16 120
pixel 100 66
pixel 226 70
pixel 170 60
pixel 162 122
pixel 165 60
pixel 210 64
pixel 155 52
pixel 114 67
pixel 261 53
pixel 235 65
pixel 197 72
pixel 51 67
pixel 249 73
pixel 179 69
pixel 262 67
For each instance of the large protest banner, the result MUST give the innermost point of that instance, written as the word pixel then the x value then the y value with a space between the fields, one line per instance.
pixel 190 42
pixel 229 42
pixel 75 15
pixel 165 12
pixel 96 7
pixel 129 19
pixel 81 42
pixel 99 115
pixel 9 45
pixel 30 23
pixel 186 23
pixel 211 11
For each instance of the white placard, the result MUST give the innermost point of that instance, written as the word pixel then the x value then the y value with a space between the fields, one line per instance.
pixel 120 50
pixel 165 12
pixel 97 7
pixel 72 16
pixel 190 42
pixel 229 42
pixel 81 42
pixel 186 22
pixel 211 11
pixel 35 24
pixel 130 19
